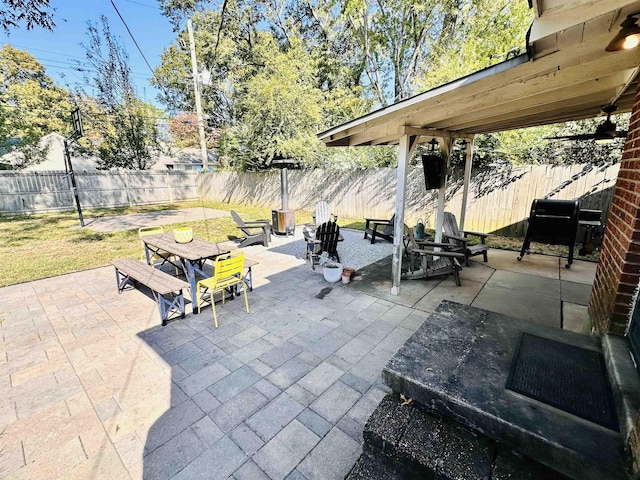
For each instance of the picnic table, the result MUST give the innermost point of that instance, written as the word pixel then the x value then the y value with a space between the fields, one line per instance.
pixel 192 255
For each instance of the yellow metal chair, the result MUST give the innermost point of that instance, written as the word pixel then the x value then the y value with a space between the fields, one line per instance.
pixel 165 256
pixel 227 273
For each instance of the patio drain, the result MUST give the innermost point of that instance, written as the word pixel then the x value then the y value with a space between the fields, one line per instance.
pixel 570 378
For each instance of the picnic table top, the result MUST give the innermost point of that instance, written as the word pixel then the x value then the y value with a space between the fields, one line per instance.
pixel 196 249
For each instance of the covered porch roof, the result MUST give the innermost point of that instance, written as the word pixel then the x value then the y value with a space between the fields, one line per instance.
pixel 565 75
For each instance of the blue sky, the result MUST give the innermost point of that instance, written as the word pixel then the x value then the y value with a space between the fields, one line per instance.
pixel 59 49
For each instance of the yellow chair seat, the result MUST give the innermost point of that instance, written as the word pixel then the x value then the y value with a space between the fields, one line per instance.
pixel 227 273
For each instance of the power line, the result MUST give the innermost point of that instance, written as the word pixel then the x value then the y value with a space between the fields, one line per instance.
pixel 90 113
pixel 138 47
pixel 143 4
pixel 70 61
pixel 78 64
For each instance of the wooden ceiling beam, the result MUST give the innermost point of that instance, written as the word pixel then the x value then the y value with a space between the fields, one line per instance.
pixel 573 96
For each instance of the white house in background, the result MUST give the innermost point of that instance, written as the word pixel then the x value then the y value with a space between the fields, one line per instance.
pixel 188 159
pixel 54 160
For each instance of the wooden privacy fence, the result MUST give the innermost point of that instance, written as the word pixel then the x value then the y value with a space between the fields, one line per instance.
pixel 499 199
pixel 32 192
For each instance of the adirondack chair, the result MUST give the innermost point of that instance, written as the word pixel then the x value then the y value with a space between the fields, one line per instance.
pixel 256 231
pixel 323 214
pixel 431 263
pixel 461 240
pixel 379 228
pixel 326 239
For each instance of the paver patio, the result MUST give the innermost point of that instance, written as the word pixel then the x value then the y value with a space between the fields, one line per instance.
pixel 94 387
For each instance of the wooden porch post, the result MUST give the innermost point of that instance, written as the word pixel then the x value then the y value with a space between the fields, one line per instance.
pixel 467 181
pixel 406 147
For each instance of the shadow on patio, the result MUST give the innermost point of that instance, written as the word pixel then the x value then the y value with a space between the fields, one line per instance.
pixel 103 390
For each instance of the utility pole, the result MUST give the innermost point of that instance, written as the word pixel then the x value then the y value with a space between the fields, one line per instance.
pixel 196 87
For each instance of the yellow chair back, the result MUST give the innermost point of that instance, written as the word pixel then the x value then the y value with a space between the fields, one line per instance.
pixel 228 271
pixel 143 231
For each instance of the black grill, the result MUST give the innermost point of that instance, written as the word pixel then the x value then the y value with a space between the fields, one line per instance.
pixel 554 222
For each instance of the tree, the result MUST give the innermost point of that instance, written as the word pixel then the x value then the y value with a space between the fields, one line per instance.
pixel 271 92
pixel 31 13
pixel 481 33
pixel 127 127
pixel 184 131
pixel 31 106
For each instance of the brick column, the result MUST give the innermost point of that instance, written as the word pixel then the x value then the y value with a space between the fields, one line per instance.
pixel 618 271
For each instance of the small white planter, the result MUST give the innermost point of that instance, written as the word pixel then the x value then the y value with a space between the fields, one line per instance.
pixel 332 272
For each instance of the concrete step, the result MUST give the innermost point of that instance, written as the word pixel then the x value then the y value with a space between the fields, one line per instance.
pixel 372 467
pixel 404 442
pixel 457 365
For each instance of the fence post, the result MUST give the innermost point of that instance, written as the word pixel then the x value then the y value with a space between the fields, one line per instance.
pixel 126 187
pixel 169 186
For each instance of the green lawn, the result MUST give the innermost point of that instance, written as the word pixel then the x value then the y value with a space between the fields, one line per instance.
pixel 45 245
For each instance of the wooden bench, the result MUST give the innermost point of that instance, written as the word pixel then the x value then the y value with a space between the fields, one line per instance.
pixel 162 284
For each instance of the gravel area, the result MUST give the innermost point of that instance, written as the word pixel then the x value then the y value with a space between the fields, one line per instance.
pixel 354 251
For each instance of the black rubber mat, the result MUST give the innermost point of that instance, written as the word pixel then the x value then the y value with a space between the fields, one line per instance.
pixel 570 378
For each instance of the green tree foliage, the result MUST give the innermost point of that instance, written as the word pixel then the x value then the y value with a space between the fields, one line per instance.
pixel 184 131
pixel 272 90
pixel 280 105
pixel 125 125
pixel 479 33
pixel 30 13
pixel 283 70
pixel 31 106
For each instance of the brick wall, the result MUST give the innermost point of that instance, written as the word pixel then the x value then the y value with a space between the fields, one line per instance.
pixel 618 271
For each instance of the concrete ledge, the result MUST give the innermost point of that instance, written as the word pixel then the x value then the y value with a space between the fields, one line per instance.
pixel 457 363
pixel 625 381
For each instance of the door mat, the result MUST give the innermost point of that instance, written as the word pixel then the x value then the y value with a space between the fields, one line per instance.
pixel 569 378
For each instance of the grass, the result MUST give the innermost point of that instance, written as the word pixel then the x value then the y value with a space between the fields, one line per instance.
pixel 45 245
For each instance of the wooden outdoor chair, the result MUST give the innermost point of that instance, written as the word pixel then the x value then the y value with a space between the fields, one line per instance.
pixel 326 239
pixel 227 275
pixel 160 255
pixel 255 231
pixel 431 262
pixel 460 238
pixel 323 214
pixel 379 228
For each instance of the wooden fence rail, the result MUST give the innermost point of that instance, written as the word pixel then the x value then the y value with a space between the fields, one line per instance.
pixel 499 199
pixel 32 192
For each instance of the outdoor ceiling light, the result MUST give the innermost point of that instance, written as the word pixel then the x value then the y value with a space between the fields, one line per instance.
pixel 628 37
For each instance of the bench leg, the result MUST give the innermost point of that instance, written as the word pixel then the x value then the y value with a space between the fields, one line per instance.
pixel 122 280
pixel 248 279
pixel 166 307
